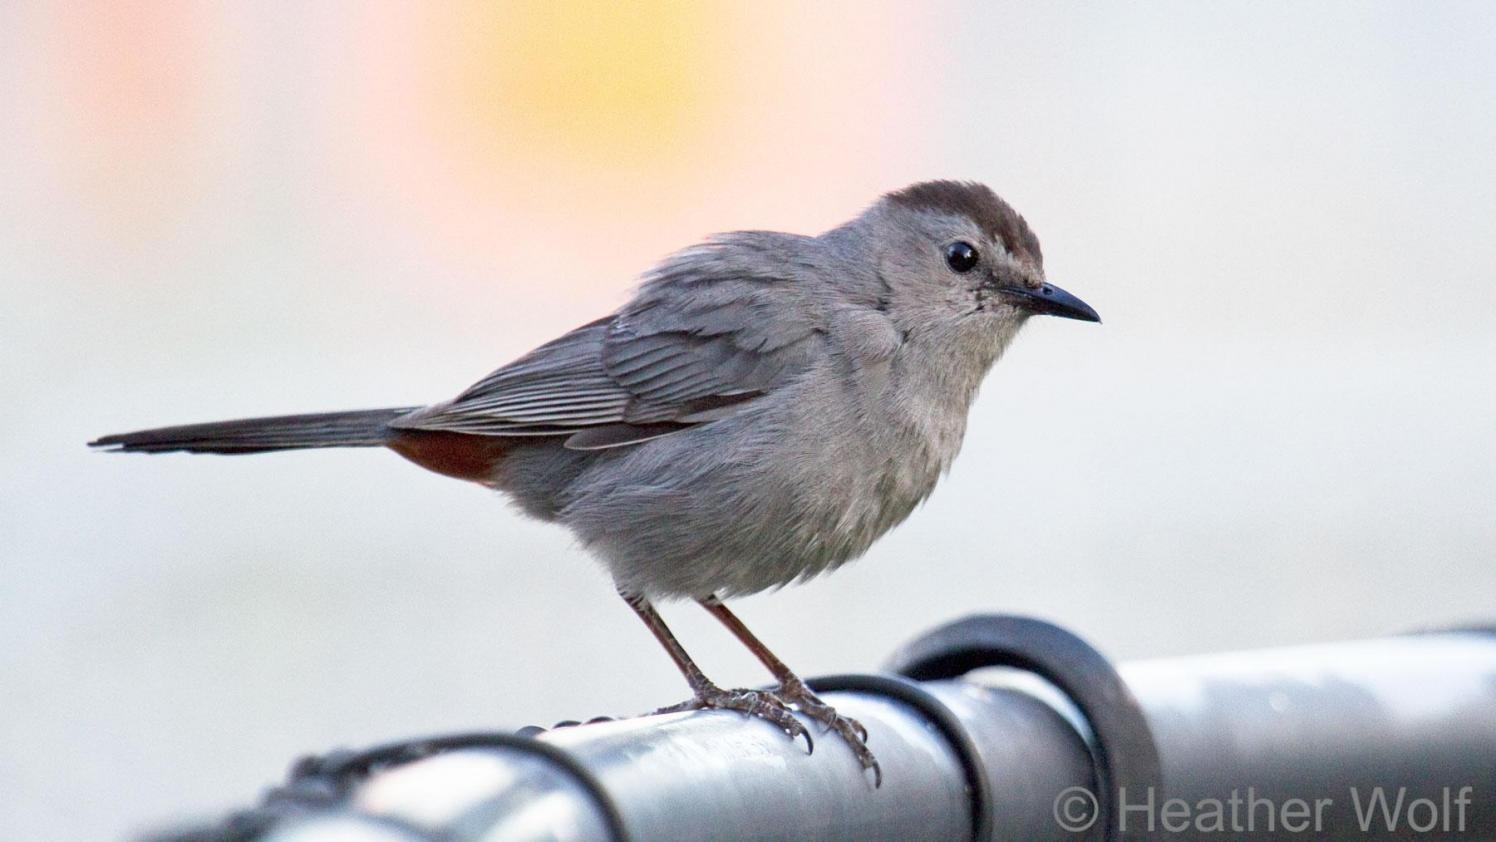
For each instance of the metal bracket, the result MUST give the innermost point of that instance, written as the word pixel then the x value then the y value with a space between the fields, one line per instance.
pixel 935 711
pixel 1123 751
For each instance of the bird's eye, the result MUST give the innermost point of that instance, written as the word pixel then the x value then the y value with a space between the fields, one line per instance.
pixel 961 256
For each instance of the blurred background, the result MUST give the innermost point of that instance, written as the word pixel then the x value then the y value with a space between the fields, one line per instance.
pixel 1285 431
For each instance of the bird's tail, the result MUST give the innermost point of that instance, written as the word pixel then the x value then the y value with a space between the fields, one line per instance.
pixel 363 428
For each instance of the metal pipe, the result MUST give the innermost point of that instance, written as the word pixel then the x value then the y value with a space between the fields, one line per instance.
pixel 965 758
pixel 1395 738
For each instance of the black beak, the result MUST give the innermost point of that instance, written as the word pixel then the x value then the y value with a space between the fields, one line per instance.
pixel 1050 300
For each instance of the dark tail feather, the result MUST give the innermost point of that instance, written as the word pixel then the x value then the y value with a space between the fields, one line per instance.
pixel 364 428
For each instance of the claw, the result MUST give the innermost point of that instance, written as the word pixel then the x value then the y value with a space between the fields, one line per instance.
pixel 849 729
pixel 761 704
pixel 774 707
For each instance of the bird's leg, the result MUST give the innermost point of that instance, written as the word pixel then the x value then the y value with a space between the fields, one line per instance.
pixel 793 689
pixel 707 695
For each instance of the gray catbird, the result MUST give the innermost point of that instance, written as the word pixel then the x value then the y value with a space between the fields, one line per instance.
pixel 764 408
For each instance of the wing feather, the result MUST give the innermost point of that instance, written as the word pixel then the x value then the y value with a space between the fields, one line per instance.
pixel 709 331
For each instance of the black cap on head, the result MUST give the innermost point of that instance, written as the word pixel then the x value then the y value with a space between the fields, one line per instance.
pixel 984 208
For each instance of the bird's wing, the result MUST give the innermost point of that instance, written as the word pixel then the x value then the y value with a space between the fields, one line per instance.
pixel 701 339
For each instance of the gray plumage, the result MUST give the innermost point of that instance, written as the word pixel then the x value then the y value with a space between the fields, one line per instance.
pixel 764 408
pixel 359 428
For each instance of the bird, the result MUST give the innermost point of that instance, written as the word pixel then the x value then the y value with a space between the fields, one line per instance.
pixel 764 408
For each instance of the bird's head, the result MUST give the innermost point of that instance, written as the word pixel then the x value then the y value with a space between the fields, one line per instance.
pixel 956 260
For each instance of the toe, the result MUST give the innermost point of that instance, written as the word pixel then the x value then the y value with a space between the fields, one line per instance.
pixel 759 704
pixel 859 728
pixel 801 731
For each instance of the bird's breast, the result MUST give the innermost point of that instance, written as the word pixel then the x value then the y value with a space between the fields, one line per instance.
pixel 787 490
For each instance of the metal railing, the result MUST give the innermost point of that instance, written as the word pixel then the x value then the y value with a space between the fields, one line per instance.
pixel 1391 738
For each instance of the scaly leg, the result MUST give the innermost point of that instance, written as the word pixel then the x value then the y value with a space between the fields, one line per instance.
pixel 706 695
pixel 792 689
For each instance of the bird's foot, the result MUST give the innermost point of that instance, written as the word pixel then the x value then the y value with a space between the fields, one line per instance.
pixel 850 730
pixel 763 704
